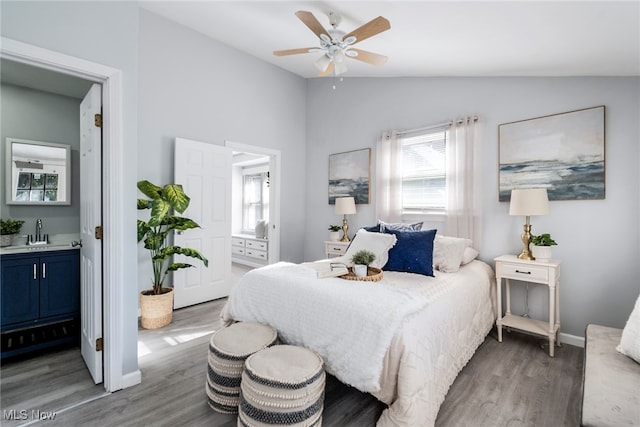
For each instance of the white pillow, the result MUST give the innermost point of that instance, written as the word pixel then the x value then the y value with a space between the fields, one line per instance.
pixel 469 255
pixel 378 243
pixel 448 253
pixel 630 340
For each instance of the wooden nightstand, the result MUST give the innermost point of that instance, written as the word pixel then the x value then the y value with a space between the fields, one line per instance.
pixel 509 267
pixel 334 249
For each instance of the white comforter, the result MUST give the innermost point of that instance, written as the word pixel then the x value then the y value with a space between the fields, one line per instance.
pixel 403 339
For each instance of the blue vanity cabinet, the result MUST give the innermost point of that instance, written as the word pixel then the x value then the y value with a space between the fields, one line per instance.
pixel 60 284
pixel 39 300
pixel 20 290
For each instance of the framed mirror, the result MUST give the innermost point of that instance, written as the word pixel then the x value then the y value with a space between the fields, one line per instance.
pixel 38 173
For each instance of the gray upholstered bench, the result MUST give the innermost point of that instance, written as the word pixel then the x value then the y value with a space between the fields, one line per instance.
pixel 611 382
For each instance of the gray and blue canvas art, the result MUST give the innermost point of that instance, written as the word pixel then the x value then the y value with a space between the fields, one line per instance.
pixel 349 176
pixel 563 153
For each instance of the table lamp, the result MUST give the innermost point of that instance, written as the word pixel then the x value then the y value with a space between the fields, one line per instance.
pixel 528 202
pixel 345 206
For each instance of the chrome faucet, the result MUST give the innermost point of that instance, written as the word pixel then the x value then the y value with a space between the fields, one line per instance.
pixel 38 238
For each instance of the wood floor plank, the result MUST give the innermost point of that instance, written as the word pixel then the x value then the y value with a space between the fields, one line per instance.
pixel 513 383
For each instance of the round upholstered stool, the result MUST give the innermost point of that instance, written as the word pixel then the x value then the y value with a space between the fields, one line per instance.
pixel 282 385
pixel 228 349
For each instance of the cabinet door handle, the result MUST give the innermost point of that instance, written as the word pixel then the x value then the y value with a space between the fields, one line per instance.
pixel 44 270
pixel 35 271
pixel 523 272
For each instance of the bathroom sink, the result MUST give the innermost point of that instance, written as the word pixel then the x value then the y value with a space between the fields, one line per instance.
pixel 39 247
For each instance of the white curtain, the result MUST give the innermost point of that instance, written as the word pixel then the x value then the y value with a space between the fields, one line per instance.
pixel 389 178
pixel 464 181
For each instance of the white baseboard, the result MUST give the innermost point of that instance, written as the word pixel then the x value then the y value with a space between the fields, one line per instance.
pixel 572 340
pixel 131 379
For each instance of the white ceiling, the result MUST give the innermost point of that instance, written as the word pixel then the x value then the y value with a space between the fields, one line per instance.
pixel 427 38
pixel 435 38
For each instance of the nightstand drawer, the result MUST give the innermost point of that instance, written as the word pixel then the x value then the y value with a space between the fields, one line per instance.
pixel 524 272
pixel 337 249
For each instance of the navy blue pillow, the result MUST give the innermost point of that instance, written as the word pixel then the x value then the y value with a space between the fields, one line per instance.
pixel 373 228
pixel 412 253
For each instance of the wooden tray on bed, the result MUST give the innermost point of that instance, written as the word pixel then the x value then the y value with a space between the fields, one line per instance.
pixel 373 275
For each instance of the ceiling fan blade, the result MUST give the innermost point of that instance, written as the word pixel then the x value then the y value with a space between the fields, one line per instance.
pixel 293 51
pixel 310 21
pixel 368 57
pixel 328 71
pixel 371 28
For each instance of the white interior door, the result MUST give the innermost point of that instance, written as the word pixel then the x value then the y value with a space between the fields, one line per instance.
pixel 204 171
pixel 90 218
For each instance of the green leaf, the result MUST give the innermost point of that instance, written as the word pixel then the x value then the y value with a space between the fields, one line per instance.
pixel 143 229
pixel 173 250
pixel 178 265
pixel 180 223
pixel 176 197
pixel 144 204
pixel 150 190
pixel 159 210
pixel 154 241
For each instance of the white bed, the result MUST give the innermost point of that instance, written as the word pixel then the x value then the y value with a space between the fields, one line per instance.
pixel 403 339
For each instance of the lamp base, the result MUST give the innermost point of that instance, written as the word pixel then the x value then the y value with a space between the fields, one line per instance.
pixel 526 238
pixel 345 229
pixel 526 255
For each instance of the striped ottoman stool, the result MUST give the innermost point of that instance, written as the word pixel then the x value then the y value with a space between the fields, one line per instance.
pixel 228 349
pixel 282 385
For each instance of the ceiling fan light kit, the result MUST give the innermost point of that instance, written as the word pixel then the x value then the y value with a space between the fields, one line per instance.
pixel 336 45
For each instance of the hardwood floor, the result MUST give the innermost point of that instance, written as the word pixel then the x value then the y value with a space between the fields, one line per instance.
pixel 514 383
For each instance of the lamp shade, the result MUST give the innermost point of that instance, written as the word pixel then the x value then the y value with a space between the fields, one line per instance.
pixel 345 206
pixel 529 201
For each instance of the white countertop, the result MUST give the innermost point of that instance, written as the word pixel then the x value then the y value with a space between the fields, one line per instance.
pixel 57 242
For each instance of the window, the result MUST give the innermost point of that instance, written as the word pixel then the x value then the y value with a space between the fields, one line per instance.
pixel 255 199
pixel 423 172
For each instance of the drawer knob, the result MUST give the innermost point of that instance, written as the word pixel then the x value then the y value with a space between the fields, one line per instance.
pixel 523 272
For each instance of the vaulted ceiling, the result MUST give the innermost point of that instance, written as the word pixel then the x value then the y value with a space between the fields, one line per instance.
pixel 435 38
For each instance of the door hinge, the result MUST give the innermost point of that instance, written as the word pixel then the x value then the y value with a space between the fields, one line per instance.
pixel 97 119
pixel 99 344
pixel 98 232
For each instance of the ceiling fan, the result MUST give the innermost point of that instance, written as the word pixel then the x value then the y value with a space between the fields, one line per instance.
pixel 336 45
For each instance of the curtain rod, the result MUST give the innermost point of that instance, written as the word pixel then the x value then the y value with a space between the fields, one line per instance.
pixel 440 125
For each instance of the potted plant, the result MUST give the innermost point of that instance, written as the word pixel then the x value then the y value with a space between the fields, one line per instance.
pixel 541 249
pixel 8 228
pixel 156 304
pixel 361 261
pixel 334 232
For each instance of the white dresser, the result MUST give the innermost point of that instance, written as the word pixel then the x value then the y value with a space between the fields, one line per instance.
pixel 249 250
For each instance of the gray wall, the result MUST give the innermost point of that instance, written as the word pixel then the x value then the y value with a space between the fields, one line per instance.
pixel 41 116
pixel 598 239
pixel 197 88
pixel 106 33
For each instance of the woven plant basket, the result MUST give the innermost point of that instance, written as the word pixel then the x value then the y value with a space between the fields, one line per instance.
pixel 5 240
pixel 156 311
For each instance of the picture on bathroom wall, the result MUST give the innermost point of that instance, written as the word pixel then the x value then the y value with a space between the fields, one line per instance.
pixel 349 175
pixel 563 153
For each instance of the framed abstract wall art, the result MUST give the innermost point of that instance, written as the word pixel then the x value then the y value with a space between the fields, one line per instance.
pixel 563 153
pixel 349 175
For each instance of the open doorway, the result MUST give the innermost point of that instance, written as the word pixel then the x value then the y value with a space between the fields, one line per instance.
pixel 113 244
pixel 255 239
